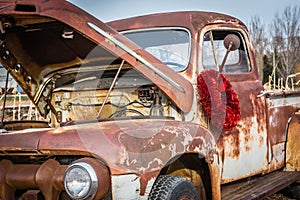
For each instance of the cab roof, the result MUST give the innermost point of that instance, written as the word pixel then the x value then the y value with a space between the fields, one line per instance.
pixel 193 20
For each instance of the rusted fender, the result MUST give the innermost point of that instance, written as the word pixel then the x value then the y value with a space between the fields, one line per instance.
pixel 293 144
pixel 135 146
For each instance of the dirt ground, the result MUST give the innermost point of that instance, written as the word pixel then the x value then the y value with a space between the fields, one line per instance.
pixel 278 197
pixel 288 193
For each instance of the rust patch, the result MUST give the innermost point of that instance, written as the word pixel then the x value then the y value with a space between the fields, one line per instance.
pixel 6 192
pixel 277 123
pixel 251 107
pixel 145 178
pixel 259 105
pixel 232 140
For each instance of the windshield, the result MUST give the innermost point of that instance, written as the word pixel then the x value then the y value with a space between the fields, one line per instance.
pixel 171 46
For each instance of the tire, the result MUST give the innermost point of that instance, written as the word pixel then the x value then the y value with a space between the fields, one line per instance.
pixel 173 188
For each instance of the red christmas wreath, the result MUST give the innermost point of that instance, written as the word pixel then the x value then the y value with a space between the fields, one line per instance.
pixel 219 101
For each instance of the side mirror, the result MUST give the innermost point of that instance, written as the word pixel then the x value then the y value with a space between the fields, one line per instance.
pixel 231 43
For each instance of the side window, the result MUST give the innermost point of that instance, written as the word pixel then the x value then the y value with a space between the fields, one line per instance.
pixel 213 52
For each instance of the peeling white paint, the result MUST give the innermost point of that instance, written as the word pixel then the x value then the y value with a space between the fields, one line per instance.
pixel 124 158
pixel 176 130
pixel 172 149
pixel 252 156
pixel 125 187
pixel 150 165
pixel 284 101
pixel 149 187
pixel 187 139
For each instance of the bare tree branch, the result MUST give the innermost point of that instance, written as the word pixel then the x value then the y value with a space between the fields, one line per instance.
pixel 286 39
pixel 259 41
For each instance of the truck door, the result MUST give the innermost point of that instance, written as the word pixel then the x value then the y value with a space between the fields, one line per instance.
pixel 242 150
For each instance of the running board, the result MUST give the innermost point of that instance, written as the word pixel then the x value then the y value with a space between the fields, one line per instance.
pixel 259 187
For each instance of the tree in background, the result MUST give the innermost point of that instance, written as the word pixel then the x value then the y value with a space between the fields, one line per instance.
pixel 259 41
pixel 286 40
pixel 279 48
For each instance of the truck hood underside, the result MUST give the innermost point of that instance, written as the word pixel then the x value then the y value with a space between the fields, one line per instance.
pixel 40 40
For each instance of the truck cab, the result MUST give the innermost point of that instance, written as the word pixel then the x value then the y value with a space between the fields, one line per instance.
pixel 164 106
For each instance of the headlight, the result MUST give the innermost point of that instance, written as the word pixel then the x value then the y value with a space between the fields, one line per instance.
pixel 81 181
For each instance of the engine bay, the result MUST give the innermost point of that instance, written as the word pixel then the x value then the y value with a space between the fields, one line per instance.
pixel 105 94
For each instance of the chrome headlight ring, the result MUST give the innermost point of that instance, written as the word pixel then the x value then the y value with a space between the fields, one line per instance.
pixel 80 181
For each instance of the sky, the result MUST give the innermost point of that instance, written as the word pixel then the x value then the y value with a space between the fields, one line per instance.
pixel 108 10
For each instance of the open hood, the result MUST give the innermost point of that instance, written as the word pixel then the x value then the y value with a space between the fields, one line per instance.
pixel 39 38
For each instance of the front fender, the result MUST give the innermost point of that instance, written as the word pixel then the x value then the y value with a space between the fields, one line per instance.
pixel 136 146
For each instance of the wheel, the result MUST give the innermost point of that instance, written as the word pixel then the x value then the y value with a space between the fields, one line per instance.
pixel 173 188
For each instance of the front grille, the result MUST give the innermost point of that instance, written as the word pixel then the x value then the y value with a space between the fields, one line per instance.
pixel 36 195
pixel 31 180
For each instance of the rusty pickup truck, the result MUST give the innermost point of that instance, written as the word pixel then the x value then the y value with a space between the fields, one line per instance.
pixel 162 106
